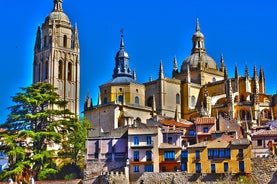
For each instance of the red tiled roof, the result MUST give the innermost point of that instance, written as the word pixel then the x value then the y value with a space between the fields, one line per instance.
pixel 272 132
pixel 205 121
pixel 175 123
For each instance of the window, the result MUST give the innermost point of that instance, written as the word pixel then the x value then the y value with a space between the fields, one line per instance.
pixel 260 142
pixel 192 103
pixel 212 168
pixel 69 71
pixel 218 154
pixel 184 166
pixel 241 166
pixel 226 167
pixel 169 140
pixel 136 100
pixel 120 98
pixel 64 41
pixel 214 79
pixel 136 141
pixel 105 101
pixel 136 168
pixel 205 129
pixel 191 132
pixel 198 167
pixel 184 155
pixel 60 70
pixel 197 154
pixel 177 98
pixel 240 155
pixel 169 155
pixel 149 140
pixel 148 168
pixel 148 155
pixel 136 155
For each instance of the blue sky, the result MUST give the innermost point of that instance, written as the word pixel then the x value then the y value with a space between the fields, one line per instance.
pixel 245 32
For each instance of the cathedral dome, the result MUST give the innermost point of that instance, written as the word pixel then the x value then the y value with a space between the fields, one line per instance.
pixel 198 56
pixel 195 59
pixel 57 16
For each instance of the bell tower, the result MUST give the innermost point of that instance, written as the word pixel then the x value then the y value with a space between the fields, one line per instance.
pixel 57 56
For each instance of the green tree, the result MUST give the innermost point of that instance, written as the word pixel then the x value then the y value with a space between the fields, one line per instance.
pixel 38 120
pixel 74 145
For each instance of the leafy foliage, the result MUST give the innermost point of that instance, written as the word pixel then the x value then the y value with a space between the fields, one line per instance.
pixel 74 145
pixel 38 121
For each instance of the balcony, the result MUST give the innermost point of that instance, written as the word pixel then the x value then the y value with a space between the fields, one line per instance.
pixel 141 145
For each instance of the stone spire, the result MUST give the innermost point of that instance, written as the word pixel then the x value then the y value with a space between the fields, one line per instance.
pixel 161 70
pixel 175 67
pixel 88 102
pixel 236 72
pixel 222 64
pixel 38 40
pixel 225 74
pixel 262 79
pixel 58 5
pixel 246 71
pixel 256 85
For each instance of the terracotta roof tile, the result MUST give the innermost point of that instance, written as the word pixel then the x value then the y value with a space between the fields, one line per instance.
pixel 205 120
pixel 175 123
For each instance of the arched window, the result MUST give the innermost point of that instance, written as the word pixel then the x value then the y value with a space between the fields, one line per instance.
pixel 46 69
pixel 60 70
pixel 69 71
pixel 177 98
pixel 64 41
pixel 136 100
pixel 192 103
pixel 214 79
pixel 120 98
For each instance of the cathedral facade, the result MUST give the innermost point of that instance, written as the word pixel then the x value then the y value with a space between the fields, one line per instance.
pixel 200 87
pixel 57 56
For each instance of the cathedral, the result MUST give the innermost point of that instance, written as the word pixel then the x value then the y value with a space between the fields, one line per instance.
pixel 200 87
pixel 57 56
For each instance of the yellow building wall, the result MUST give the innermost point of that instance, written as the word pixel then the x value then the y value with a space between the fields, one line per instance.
pixel 233 163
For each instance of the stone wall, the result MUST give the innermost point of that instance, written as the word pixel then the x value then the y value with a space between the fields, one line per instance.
pixel 264 170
